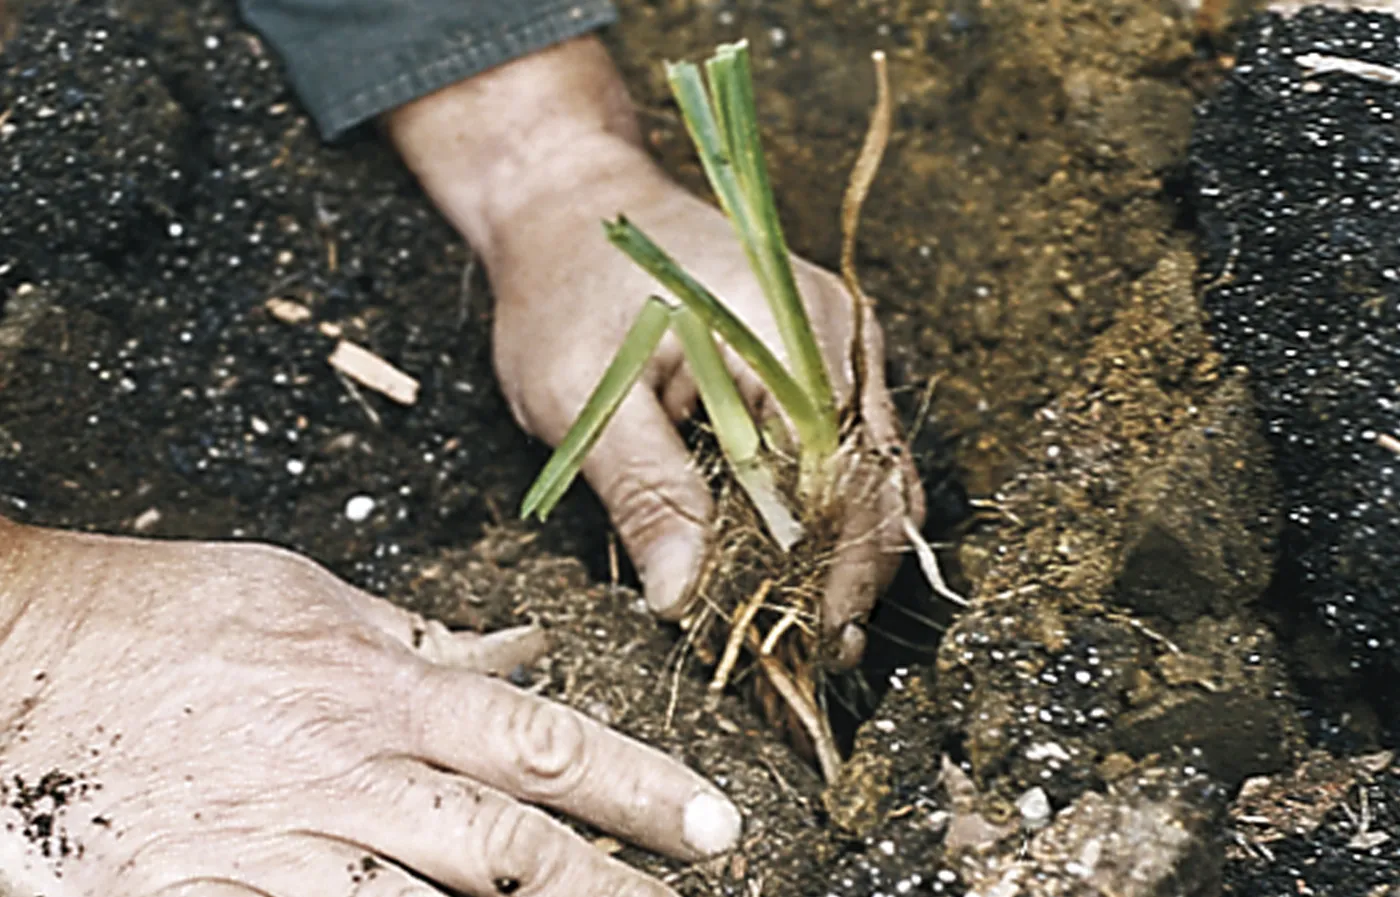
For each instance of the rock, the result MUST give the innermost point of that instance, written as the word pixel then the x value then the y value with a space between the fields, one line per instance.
pixel 1187 551
pixel 1148 836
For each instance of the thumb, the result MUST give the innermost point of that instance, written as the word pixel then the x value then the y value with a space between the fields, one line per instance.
pixel 656 498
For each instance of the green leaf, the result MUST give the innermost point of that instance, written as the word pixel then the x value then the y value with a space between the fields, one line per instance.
pixel 617 381
pixel 731 86
pixel 729 415
pixel 811 427
pixel 734 427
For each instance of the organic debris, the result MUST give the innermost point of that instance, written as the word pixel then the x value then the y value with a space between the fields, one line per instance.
pixel 369 370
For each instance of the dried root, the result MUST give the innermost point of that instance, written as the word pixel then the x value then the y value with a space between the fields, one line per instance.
pixel 757 617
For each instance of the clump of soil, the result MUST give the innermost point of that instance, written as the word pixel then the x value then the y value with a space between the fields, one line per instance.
pixel 42 807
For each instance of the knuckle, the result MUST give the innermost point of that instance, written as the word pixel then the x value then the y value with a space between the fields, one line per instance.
pixel 275 560
pixel 642 502
pixel 551 746
pixel 522 847
pixel 637 506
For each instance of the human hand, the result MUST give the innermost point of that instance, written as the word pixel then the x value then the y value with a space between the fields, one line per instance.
pixel 527 161
pixel 207 719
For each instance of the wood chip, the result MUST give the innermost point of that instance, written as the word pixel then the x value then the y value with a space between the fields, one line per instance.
pixel 287 311
pixel 373 372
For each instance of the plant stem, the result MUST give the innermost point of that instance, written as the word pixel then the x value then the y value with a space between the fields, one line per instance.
pixel 817 434
pixel 731 86
pixel 734 427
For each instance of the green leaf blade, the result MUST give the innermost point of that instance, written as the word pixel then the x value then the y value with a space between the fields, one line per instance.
pixel 731 83
pixel 810 426
pixel 734 427
pixel 613 387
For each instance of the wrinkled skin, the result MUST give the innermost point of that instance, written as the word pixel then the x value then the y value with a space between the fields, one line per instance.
pixel 239 721
pixel 527 163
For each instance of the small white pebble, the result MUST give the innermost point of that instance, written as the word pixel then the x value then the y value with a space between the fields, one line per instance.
pixel 296 466
pixel 1047 750
pixel 146 520
pixel 1035 808
pixel 359 507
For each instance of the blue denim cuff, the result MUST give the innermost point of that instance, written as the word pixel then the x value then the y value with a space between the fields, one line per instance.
pixel 350 60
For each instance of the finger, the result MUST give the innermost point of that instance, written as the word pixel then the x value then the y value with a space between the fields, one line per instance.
pixel 882 423
pixel 858 568
pixel 475 840
pixel 656 498
pixel 872 539
pixel 545 753
pixel 496 653
pixel 331 865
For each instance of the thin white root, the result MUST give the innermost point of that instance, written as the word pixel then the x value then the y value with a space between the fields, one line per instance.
pixel 928 563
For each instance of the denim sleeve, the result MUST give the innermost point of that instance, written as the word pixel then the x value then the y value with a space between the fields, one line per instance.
pixel 350 60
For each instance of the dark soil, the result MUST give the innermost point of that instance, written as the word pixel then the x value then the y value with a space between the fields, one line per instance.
pixel 1118 675
pixel 1299 238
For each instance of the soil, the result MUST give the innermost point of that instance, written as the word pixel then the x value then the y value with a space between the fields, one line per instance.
pixel 1132 657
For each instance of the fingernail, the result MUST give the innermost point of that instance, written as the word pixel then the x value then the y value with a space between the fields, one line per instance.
pixel 669 571
pixel 712 823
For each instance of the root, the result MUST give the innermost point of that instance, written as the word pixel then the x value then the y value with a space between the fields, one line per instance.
pixel 858 187
pixel 928 563
pixel 799 701
pixel 740 627
pixel 770 641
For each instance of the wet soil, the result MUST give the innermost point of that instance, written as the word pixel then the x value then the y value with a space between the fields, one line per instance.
pixel 1122 669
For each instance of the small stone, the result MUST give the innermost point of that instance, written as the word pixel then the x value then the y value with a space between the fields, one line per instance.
pixel 358 508
pixel 1035 808
pixel 287 311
